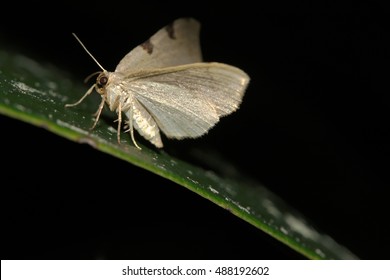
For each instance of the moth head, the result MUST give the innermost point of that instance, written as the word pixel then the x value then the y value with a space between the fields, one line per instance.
pixel 101 82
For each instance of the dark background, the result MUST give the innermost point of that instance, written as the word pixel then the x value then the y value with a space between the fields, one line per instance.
pixel 313 128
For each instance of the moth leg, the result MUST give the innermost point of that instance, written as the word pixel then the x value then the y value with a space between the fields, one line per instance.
pixel 98 112
pixel 82 98
pixel 119 120
pixel 131 130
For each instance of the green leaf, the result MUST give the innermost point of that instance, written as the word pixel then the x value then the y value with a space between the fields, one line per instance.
pixel 37 94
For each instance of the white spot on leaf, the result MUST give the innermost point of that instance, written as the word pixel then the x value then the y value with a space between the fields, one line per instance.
pixel 301 227
pixel 213 190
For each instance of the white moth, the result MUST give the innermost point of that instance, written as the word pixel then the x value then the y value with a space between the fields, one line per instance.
pixel 163 84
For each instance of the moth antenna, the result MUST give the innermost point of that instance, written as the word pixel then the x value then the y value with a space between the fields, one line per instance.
pixel 90 76
pixel 77 38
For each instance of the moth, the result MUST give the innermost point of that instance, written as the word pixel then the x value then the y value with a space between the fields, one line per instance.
pixel 163 85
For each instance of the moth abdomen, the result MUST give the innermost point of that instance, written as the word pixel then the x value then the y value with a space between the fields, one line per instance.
pixel 145 124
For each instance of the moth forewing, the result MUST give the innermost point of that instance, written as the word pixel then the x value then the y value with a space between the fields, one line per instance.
pixel 175 44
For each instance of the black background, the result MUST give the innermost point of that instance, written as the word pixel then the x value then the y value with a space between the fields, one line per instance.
pixel 313 128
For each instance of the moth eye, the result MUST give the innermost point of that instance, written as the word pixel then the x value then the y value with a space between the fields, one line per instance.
pixel 103 81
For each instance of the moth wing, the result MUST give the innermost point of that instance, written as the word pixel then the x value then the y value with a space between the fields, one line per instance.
pixel 186 101
pixel 175 44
